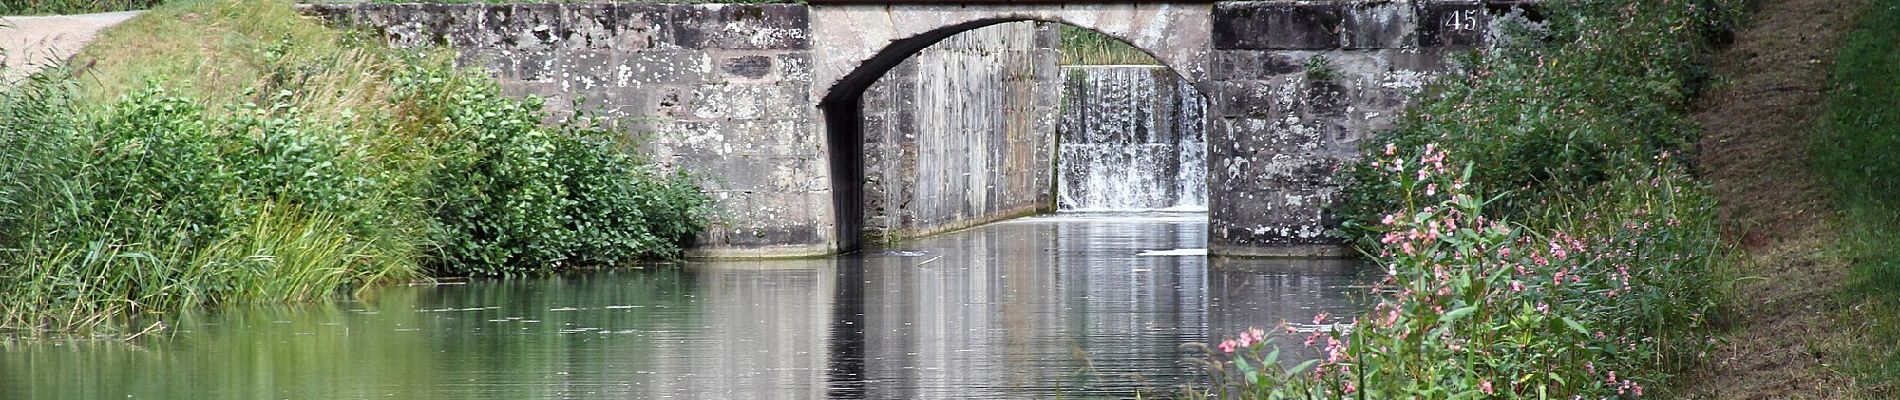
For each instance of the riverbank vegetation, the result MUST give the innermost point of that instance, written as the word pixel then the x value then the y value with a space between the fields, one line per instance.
pixel 233 151
pixel 1538 230
pixel 1856 152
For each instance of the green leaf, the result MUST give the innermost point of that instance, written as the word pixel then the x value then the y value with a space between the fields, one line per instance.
pixel 1454 315
pixel 1575 326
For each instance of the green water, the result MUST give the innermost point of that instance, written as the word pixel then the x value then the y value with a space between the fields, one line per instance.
pixel 1038 308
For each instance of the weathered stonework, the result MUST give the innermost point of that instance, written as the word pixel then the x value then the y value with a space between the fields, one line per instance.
pixel 766 103
pixel 962 133
pixel 723 90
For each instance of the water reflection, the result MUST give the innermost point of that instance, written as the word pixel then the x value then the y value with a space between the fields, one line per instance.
pixel 1045 307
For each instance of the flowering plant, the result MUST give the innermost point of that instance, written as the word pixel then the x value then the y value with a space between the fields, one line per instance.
pixel 1469 306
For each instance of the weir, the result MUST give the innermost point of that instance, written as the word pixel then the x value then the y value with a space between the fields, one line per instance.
pixel 1133 137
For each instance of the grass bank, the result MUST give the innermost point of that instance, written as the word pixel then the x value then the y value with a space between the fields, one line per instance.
pixel 232 151
pixel 1858 151
pixel 1539 230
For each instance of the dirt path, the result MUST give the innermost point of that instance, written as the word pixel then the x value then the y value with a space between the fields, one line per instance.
pixel 1754 150
pixel 31 42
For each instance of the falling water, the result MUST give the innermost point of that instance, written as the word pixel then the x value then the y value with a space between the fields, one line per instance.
pixel 1132 138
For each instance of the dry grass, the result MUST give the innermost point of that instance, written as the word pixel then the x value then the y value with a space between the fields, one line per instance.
pixel 228 50
pixel 1785 341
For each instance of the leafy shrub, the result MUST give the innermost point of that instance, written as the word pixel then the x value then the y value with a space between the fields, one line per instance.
pixel 154 203
pixel 1602 92
pixel 512 197
pixel 343 164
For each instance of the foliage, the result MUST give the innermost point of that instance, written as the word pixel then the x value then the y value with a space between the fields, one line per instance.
pixel 152 204
pixel 1476 307
pixel 307 162
pixel 1083 46
pixel 1855 151
pixel 1602 93
pixel 1319 69
pixel 1566 253
pixel 513 197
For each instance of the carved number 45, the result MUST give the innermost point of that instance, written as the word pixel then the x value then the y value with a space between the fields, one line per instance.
pixel 1462 20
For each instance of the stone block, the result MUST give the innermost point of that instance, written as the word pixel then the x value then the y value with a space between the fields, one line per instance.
pixel 584 70
pixel 728 101
pixel 1277 26
pixel 1379 25
pixel 1451 24
pixel 530 28
pixel 625 27
pixel 742 26
pixel 539 65
pixel 794 67
pixel 752 66
pixel 1252 64
pixel 1246 99
pixel 673 67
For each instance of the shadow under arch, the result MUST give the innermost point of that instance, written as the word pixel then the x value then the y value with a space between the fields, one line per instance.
pixel 843 109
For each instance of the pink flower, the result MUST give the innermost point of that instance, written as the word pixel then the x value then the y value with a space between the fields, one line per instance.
pixel 1251 336
pixel 1485 386
pixel 1390 148
pixel 1227 346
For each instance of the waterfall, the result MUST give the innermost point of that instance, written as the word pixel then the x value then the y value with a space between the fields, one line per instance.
pixel 1131 138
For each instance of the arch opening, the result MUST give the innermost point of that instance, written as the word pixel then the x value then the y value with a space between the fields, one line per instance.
pixel 1010 139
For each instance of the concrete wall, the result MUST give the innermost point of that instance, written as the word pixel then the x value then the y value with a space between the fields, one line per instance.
pixel 962 133
pixel 1132 137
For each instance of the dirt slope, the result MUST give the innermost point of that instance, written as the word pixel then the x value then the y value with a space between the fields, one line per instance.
pixel 1754 150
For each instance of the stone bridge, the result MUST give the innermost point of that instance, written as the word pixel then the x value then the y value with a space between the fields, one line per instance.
pixel 766 103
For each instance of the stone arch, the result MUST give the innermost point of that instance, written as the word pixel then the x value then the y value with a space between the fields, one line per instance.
pixel 854 46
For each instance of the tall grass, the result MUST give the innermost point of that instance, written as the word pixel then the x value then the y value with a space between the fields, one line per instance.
pixel 1083 46
pixel 1858 150
pixel 232 151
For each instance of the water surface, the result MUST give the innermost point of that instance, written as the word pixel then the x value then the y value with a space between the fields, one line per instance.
pixel 1059 306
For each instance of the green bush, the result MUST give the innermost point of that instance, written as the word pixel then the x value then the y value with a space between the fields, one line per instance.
pixel 512 197
pixel 346 164
pixel 1566 253
pixel 153 203
pixel 1598 90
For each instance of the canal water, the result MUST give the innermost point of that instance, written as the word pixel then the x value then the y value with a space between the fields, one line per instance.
pixel 1062 306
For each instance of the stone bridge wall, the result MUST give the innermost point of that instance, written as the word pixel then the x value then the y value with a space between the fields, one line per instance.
pixel 747 96
pixel 962 133
pixel 722 90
